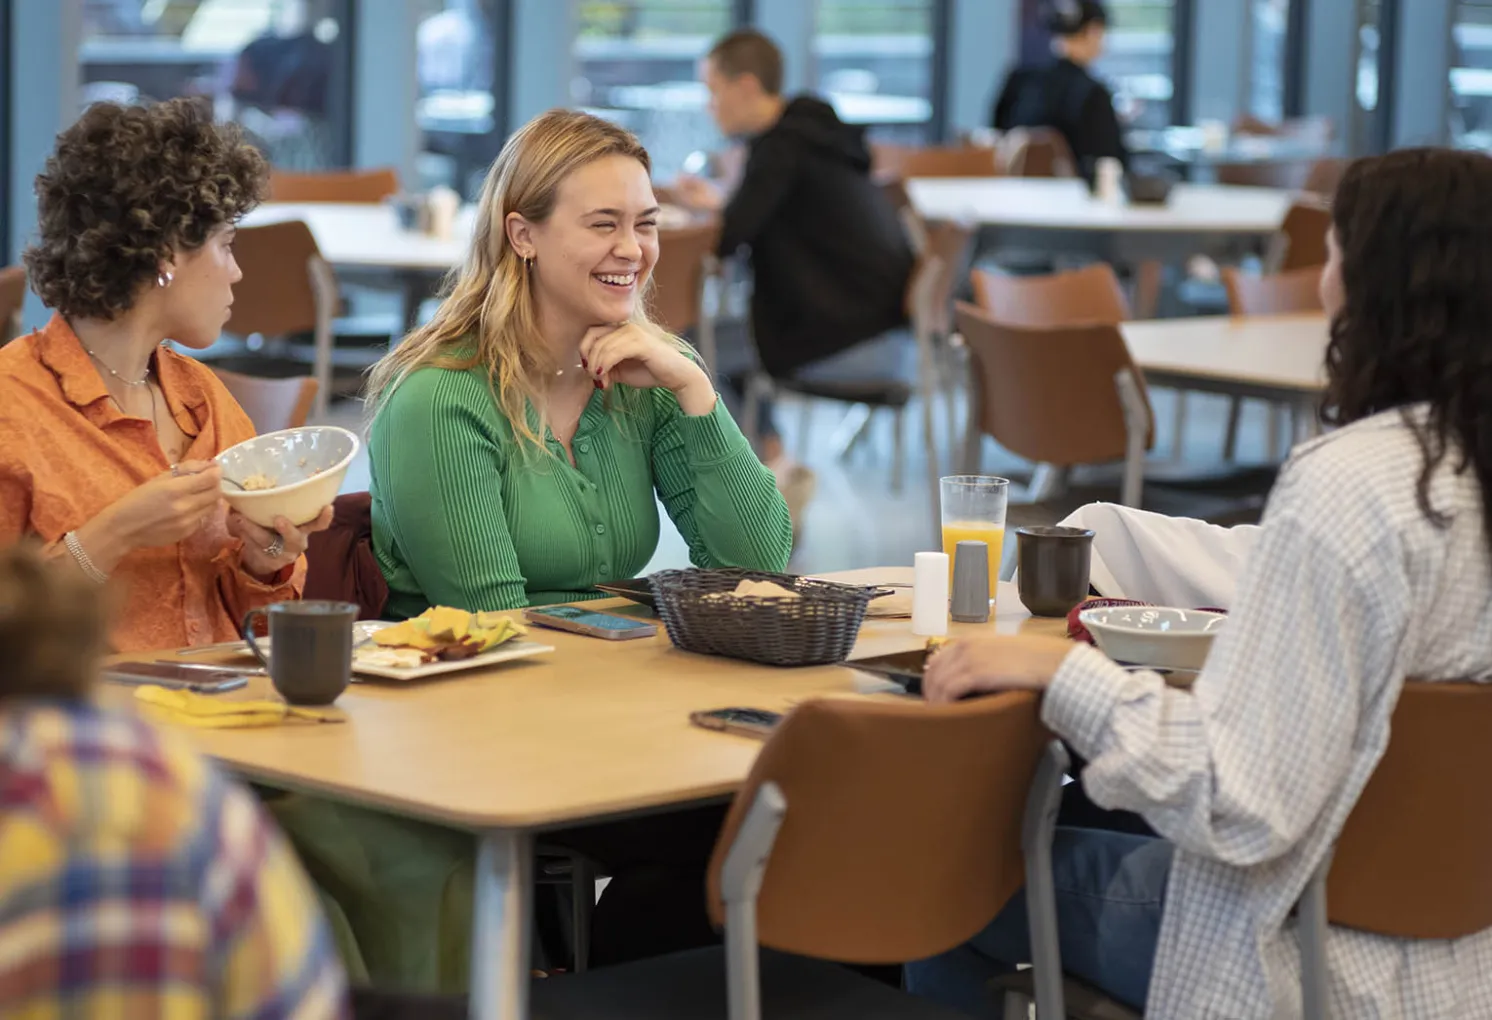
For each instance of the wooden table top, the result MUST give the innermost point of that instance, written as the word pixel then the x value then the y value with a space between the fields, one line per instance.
pixel 1065 204
pixel 1284 352
pixel 593 730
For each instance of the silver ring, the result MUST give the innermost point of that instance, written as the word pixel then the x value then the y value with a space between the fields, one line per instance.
pixel 275 548
pixel 175 470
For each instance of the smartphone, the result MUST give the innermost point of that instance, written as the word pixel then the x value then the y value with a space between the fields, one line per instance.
pixel 744 722
pixel 189 676
pixel 590 623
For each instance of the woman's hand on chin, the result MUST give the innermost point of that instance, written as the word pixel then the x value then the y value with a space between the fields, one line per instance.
pixel 628 355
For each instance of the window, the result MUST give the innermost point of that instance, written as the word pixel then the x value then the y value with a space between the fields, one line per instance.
pixel 1372 127
pixel 5 168
pixel 1267 59
pixel 462 108
pixel 874 60
pixel 280 68
pixel 1471 75
pixel 636 64
pixel 1140 61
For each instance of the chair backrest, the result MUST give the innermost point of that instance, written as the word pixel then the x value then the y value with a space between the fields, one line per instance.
pixel 902 835
pixel 271 404
pixel 1324 177
pixel 1302 238
pixel 1298 290
pixel 1412 861
pixel 275 296
pixel 12 298
pixel 1049 395
pixel 902 162
pixel 1036 152
pixel 1286 174
pixel 1076 297
pixel 678 278
pixel 367 186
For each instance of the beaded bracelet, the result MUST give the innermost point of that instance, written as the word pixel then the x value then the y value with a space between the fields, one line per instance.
pixel 86 564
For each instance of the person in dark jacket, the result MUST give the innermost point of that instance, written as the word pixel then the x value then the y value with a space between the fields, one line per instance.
pixel 1061 93
pixel 828 253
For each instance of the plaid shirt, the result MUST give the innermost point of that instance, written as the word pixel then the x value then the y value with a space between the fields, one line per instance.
pixel 137 882
pixel 1253 772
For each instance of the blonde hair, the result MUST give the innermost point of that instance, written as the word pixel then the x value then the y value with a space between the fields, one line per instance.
pixel 488 315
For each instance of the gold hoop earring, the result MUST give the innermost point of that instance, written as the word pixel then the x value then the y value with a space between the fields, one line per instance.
pixel 528 263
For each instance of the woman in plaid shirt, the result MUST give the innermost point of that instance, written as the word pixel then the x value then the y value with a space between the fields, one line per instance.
pixel 136 881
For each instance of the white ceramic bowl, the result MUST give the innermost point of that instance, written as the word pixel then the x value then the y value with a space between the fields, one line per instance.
pixel 1153 635
pixel 306 464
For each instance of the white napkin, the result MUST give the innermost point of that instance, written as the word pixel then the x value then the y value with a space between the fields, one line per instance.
pixel 1168 561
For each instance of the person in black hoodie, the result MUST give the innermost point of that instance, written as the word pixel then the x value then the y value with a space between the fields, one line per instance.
pixel 829 256
pixel 1061 93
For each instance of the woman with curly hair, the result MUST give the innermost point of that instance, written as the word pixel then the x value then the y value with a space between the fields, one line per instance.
pixel 109 435
pixel 1373 565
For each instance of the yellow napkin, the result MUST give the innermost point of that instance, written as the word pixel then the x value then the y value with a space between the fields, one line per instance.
pixel 188 708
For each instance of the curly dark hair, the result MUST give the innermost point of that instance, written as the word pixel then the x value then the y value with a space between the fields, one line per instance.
pixel 128 187
pixel 52 627
pixel 1415 232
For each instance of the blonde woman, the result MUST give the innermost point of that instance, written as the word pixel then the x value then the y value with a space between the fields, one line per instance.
pixel 518 442
pixel 522 440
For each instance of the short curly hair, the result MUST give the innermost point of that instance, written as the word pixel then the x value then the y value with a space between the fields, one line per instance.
pixel 127 188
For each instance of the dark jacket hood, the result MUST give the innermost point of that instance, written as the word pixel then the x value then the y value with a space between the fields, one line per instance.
pixel 813 122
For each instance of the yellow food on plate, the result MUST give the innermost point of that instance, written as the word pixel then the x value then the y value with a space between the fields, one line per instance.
pixel 442 632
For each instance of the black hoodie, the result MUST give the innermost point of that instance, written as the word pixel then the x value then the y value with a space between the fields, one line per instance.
pixel 828 253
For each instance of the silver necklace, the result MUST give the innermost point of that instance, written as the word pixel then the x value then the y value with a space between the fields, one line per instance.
pixel 128 382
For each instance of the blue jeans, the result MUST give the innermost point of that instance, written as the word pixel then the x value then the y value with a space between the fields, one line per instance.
pixel 1110 889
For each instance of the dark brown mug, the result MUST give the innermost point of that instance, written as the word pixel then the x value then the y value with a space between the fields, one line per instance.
pixel 1053 566
pixel 311 648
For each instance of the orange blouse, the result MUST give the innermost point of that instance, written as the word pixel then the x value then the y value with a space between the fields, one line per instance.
pixel 67 452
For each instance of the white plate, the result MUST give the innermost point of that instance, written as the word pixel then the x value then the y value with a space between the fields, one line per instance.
pixel 506 652
pixel 361 631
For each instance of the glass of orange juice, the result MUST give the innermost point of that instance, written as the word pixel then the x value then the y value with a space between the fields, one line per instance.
pixel 973 510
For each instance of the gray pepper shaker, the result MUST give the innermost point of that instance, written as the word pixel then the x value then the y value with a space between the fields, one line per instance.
pixel 971 583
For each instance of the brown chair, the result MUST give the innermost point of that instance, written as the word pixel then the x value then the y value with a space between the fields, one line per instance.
pixel 1059 397
pixel 12 300
pixel 1036 152
pixel 1076 297
pixel 904 162
pixel 823 856
pixel 686 258
pixel 1301 242
pixel 1285 174
pixel 1411 862
pixel 1324 177
pixel 363 186
pixel 287 288
pixel 1298 290
pixel 271 404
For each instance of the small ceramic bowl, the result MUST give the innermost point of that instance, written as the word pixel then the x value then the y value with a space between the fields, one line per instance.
pixel 1153 635
pixel 304 467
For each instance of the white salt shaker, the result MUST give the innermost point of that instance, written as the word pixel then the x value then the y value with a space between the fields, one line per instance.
pixel 930 594
pixel 1109 176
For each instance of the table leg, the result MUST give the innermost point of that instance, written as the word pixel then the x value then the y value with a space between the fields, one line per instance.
pixel 502 921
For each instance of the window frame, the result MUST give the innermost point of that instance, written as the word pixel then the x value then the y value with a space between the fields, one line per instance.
pixel 7 154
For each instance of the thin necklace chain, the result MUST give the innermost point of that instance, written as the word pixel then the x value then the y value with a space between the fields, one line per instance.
pixel 106 367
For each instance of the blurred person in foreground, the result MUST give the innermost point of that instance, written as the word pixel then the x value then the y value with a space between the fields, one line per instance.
pixel 135 879
pixel 110 434
pixel 830 261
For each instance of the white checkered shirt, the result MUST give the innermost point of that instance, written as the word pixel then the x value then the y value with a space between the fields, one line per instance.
pixel 1253 772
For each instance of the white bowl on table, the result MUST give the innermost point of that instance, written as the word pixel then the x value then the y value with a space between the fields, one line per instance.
pixel 1155 636
pixel 306 464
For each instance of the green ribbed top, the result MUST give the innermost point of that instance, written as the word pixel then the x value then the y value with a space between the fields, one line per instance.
pixel 462 517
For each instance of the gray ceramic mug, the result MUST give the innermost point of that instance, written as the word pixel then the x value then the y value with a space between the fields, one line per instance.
pixel 311 648
pixel 1053 566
